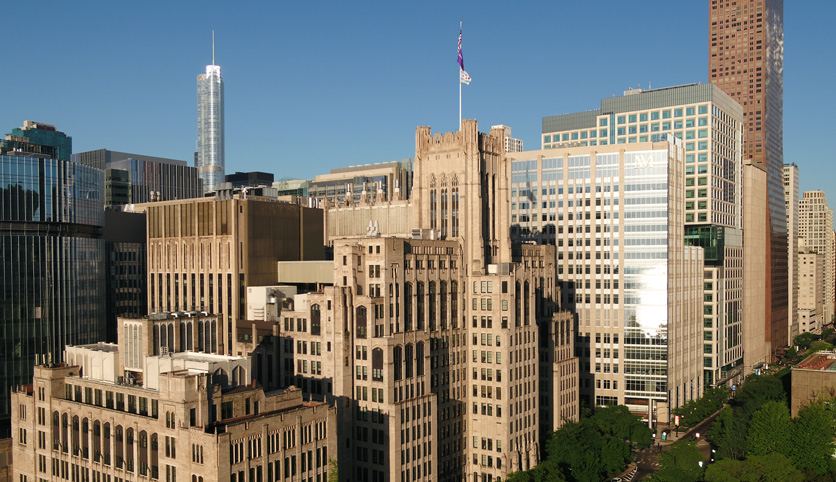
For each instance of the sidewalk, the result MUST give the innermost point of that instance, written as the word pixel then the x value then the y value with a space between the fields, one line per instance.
pixel 689 433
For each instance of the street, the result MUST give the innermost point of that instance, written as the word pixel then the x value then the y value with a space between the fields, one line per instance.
pixel 648 459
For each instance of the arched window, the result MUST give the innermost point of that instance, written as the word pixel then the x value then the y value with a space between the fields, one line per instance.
pixel 75 434
pixel 65 435
pixel 315 320
pixel 129 450
pixel 444 208
pixel 360 322
pixel 517 305
pixel 201 337
pixel 432 303
pixel 407 306
pixel 397 360
pixel 97 441
pixel 377 365
pixel 220 377
pixel 154 455
pixel 527 301
pixel 119 446
pixel 143 453
pixel 189 340
pixel 419 358
pixel 408 356
pixel 442 304
pixel 454 201
pixel 419 320
pixel 454 304
pixel 433 203
pixel 239 376
pixel 214 336
pixel 170 337
pixel 182 336
pixel 157 343
pixel 106 443
pixel 85 438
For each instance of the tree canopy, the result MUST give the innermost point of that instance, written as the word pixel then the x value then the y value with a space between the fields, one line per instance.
pixel 680 463
pixel 590 450
pixel 758 468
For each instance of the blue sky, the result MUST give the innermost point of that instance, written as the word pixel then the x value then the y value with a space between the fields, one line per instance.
pixel 312 86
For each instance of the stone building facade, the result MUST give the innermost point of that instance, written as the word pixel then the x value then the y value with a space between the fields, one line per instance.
pixel 128 412
pixel 204 252
pixel 445 339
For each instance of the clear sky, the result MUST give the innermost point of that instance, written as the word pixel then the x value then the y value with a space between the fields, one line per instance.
pixel 312 86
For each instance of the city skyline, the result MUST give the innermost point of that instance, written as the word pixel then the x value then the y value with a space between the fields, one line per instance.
pixel 375 76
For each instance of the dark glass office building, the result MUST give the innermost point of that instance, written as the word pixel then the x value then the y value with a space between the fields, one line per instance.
pixel 52 271
pixel 137 178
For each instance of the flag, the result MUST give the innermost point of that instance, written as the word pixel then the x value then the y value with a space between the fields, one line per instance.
pixel 461 59
pixel 464 78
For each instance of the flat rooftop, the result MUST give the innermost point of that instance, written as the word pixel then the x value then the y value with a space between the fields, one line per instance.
pixel 821 361
pixel 101 346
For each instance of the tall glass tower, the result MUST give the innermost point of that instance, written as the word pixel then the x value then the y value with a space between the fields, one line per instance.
pixel 746 60
pixel 210 125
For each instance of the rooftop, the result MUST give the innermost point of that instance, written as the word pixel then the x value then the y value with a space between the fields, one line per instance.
pixel 821 361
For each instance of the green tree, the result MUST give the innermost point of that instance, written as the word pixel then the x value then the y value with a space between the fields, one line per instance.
pixel 577 449
pixel 820 345
pixel 521 476
pixel 803 340
pixel 813 439
pixel 770 430
pixel 728 435
pixel 696 411
pixel 547 471
pixel 756 391
pixel 618 422
pixel 681 463
pixel 758 468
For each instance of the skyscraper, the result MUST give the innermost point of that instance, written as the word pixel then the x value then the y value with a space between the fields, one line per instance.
pixel 210 125
pixel 815 228
pixel 52 256
pixel 618 212
pixel 791 195
pixel 710 124
pixel 746 60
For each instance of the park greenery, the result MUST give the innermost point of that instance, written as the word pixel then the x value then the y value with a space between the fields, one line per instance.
pixel 755 439
pixel 695 411
pixel 806 344
pixel 756 435
pixel 593 449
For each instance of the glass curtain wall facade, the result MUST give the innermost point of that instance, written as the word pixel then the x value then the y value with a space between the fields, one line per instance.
pixel 710 124
pixel 210 127
pixel 171 181
pixel 52 278
pixel 623 265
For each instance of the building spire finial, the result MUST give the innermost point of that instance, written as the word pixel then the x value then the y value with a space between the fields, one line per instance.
pixel 213 47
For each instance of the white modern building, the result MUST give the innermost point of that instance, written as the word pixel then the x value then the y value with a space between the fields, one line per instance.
pixel 710 124
pixel 616 215
pixel 791 195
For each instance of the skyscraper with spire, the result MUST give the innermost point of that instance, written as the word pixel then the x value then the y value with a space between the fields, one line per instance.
pixel 210 125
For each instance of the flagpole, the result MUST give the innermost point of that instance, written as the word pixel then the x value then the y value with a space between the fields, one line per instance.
pixel 460 76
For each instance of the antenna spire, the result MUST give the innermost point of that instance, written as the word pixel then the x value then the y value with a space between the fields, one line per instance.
pixel 213 47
